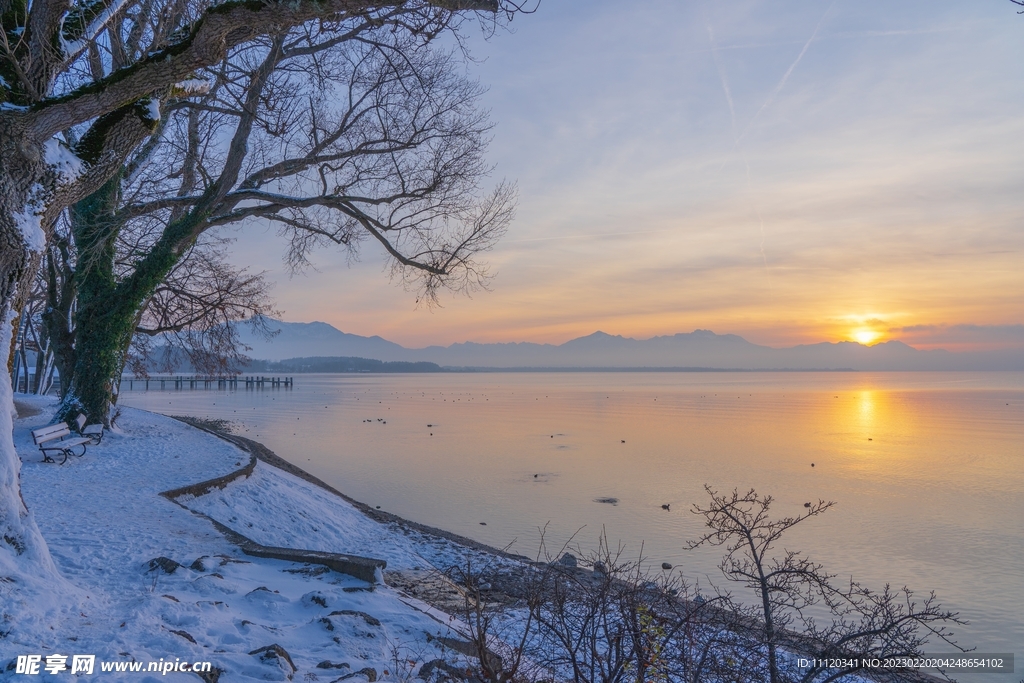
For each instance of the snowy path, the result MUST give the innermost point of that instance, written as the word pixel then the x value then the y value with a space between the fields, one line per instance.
pixel 104 522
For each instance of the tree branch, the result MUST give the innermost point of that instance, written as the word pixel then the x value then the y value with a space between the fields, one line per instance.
pixel 104 149
pixel 220 29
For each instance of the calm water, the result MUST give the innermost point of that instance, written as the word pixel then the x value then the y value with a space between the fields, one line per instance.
pixel 927 468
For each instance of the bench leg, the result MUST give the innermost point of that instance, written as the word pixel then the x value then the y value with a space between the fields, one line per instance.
pixel 47 458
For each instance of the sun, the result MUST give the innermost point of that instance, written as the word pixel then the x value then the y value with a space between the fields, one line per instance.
pixel 865 335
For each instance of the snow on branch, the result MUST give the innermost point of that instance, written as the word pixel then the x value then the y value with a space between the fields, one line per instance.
pixel 72 49
pixel 152 106
pixel 29 220
pixel 191 87
pixel 63 161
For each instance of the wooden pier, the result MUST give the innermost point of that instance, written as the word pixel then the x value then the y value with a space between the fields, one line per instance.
pixel 227 383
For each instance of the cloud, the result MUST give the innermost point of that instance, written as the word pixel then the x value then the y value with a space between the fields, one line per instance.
pixel 878 181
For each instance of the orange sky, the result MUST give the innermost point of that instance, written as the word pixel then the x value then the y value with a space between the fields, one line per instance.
pixel 784 171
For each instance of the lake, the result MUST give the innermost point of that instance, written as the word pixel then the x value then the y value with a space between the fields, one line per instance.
pixel 927 469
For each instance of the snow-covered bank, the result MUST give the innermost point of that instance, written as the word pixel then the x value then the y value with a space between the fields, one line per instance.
pixel 104 521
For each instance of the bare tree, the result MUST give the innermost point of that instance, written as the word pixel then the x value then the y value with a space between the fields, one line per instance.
pixel 616 622
pixel 861 624
pixel 80 90
pixel 598 619
pixel 195 314
pixel 386 144
pixel 499 653
pixel 605 619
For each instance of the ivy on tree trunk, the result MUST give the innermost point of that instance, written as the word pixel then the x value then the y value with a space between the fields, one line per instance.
pixel 108 309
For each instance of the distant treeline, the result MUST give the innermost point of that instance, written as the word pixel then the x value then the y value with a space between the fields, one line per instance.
pixel 338 364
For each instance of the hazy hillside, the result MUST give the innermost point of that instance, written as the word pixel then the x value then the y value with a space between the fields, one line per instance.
pixel 338 364
pixel 697 349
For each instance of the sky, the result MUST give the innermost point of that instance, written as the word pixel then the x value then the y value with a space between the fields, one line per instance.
pixel 791 171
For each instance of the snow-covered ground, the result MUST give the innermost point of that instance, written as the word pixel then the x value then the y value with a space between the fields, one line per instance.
pixel 105 521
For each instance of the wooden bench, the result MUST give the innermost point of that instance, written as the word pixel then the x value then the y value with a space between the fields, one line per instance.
pixel 93 432
pixel 51 439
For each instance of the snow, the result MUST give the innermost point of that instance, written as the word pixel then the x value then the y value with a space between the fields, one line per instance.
pixel 75 47
pixel 273 508
pixel 192 86
pixel 104 522
pixel 64 162
pixel 68 168
pixel 29 220
pixel 30 586
pixel 153 109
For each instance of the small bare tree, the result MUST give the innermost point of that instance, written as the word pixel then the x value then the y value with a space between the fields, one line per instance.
pixel 195 313
pixel 863 623
pixel 608 620
pixel 498 651
pixel 618 623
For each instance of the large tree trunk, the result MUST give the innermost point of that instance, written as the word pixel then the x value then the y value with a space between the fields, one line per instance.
pixel 108 310
pixel 103 335
pixel 102 339
pixel 101 328
pixel 23 552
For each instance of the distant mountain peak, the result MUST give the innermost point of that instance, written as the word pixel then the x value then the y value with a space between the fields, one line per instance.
pixel 698 349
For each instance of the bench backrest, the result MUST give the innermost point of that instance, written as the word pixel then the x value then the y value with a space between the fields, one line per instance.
pixel 84 429
pixel 51 432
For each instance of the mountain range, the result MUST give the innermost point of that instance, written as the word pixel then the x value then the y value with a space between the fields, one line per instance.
pixel 700 349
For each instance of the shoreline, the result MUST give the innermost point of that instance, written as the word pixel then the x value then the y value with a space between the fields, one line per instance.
pixel 141 578
pixel 217 596
pixel 261 453
pixel 264 454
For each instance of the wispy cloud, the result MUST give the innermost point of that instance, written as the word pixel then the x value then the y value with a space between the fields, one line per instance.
pixel 865 155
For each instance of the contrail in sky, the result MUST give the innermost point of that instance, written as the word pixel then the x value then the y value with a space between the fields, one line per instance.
pixel 736 139
pixel 722 77
pixel 771 98
pixel 789 71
